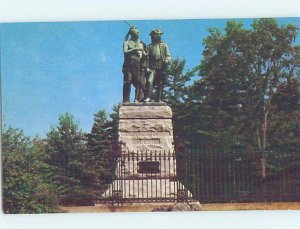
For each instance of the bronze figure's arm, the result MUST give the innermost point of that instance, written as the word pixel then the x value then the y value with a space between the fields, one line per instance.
pixel 127 50
pixel 167 55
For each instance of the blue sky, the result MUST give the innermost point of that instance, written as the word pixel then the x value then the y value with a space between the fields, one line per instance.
pixel 48 69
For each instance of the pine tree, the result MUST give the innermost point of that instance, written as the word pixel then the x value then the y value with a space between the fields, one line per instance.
pixel 176 96
pixel 65 146
pixel 98 156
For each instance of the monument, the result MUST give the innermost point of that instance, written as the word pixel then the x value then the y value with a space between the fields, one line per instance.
pixel 146 165
pixel 159 61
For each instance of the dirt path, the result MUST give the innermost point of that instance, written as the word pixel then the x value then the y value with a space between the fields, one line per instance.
pixel 252 206
pixel 206 207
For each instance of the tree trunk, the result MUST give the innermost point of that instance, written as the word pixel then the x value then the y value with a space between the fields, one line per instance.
pixel 265 123
pixel 261 151
pixel 258 139
pixel 264 142
pixel 264 137
pixel 262 156
pixel 263 166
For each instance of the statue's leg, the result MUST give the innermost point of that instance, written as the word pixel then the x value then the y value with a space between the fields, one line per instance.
pixel 140 94
pixel 137 93
pixel 137 90
pixel 142 84
pixel 159 91
pixel 127 86
pixel 149 84
pixel 164 81
pixel 135 79
pixel 160 87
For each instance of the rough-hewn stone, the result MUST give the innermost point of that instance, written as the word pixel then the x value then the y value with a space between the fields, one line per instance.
pixel 144 112
pixel 146 128
pixel 195 206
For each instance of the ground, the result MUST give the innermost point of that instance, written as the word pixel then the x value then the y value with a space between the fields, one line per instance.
pixel 205 207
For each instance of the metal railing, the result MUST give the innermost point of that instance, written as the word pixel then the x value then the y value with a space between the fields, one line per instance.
pixel 205 176
pixel 216 176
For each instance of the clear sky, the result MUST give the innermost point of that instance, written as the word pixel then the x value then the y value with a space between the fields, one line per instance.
pixel 48 69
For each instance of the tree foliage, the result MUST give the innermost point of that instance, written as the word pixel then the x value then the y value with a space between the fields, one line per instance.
pixel 177 94
pixel 27 187
pixel 284 125
pixel 98 161
pixel 242 70
pixel 65 147
pixel 246 96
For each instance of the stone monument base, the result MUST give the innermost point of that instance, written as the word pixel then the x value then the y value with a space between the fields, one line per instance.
pixel 146 167
pixel 146 127
pixel 144 188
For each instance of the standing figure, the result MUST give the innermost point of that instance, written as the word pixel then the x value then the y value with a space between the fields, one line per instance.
pixel 159 61
pixel 134 50
pixel 141 91
pixel 147 77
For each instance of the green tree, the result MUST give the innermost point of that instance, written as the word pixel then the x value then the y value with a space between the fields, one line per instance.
pixel 273 54
pixel 176 90
pixel 242 70
pixel 100 155
pixel 285 118
pixel 65 146
pixel 27 187
pixel 98 139
pixel 177 95
pixel 98 158
pixel 113 124
pixel 219 95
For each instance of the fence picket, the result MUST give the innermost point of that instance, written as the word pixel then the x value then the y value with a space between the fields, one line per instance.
pixel 204 175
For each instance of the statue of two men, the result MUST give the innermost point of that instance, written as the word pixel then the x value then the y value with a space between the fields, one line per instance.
pixel 145 66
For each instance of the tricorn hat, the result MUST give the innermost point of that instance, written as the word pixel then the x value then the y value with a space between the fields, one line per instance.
pixel 134 30
pixel 156 31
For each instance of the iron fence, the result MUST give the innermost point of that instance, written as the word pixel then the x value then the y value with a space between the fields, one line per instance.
pixel 205 176
pixel 149 176
pixel 214 176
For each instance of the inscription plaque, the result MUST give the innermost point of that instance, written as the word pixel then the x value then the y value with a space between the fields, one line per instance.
pixel 145 141
pixel 144 133
pixel 148 167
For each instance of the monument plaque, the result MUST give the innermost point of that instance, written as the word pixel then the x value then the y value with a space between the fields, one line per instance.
pixel 148 167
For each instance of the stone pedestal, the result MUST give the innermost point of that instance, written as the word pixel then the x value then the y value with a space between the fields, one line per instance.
pixel 146 167
pixel 146 128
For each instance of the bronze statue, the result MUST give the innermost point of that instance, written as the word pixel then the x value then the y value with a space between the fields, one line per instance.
pixel 159 61
pixel 147 77
pixel 134 51
pixel 143 90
